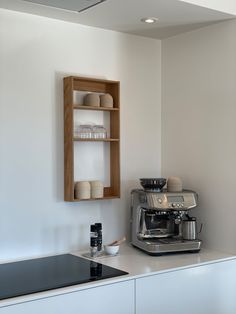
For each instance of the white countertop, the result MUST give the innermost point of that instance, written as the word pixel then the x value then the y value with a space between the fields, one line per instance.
pixel 138 264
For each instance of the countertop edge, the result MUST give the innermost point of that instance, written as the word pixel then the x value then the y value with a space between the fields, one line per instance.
pixel 103 282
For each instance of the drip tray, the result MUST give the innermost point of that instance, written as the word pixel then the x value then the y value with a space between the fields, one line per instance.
pixel 171 241
pixel 155 233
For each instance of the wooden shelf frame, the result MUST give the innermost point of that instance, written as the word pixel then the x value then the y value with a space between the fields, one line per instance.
pixel 108 197
pixel 82 107
pixel 85 84
pixel 78 139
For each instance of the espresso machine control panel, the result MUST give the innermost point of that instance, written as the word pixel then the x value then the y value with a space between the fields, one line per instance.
pixel 172 201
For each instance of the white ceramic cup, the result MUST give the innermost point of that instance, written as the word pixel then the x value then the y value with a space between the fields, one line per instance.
pixel 82 190
pixel 106 101
pixel 96 189
pixel 111 249
pixel 92 99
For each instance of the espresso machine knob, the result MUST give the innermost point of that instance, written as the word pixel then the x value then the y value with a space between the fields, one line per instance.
pixel 173 205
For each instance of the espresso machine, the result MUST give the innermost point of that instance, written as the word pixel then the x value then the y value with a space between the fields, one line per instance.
pixel 160 220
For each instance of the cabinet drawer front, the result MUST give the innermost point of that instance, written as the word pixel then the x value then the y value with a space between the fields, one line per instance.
pixel 205 289
pixel 115 298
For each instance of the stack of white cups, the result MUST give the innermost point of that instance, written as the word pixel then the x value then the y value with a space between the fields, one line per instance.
pixel 96 189
pixel 86 190
pixel 174 184
pixel 82 190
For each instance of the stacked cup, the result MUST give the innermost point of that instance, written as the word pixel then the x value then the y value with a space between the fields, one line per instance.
pixel 96 189
pixel 82 190
pixel 92 99
pixel 106 101
pixel 86 190
pixel 174 184
pixel 96 100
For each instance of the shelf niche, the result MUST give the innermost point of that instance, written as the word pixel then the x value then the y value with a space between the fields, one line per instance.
pixel 84 84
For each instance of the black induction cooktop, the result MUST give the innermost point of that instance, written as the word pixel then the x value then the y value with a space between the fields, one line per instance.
pixel 41 274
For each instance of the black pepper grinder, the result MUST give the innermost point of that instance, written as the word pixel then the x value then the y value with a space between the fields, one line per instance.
pixel 93 241
pixel 99 235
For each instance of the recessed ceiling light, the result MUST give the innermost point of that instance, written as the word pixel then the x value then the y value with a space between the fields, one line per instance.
pixel 149 20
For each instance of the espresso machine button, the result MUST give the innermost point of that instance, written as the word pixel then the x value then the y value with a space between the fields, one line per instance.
pixel 173 205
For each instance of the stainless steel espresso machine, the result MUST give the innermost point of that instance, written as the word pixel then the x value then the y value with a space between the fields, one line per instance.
pixel 160 221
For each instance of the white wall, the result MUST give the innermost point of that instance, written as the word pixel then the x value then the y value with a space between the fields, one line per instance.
pixel 227 6
pixel 35 54
pixel 198 124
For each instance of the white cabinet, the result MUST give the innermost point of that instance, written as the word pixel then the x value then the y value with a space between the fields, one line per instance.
pixel 114 298
pixel 205 289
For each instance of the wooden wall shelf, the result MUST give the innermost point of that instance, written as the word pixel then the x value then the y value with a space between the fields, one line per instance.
pixel 94 108
pixel 84 84
pixel 96 139
pixel 96 199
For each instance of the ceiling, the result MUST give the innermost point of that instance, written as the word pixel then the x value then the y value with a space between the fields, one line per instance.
pixel 69 5
pixel 174 16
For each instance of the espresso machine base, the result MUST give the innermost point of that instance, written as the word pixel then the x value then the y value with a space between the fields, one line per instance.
pixel 168 245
